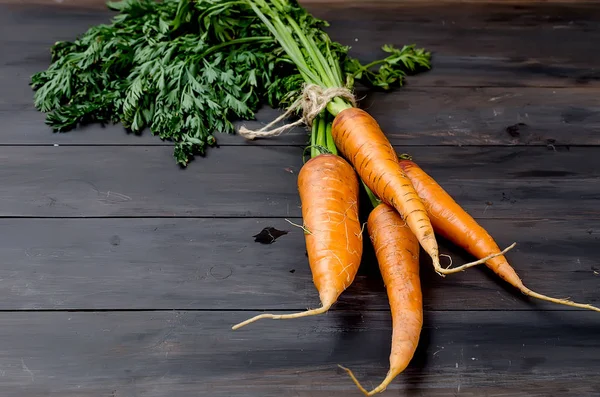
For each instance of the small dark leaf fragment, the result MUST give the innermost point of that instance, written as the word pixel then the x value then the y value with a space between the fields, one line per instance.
pixel 293 271
pixel 513 130
pixel 268 235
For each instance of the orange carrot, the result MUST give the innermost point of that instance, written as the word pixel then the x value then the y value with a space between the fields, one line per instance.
pixel 397 251
pixel 455 224
pixel 329 189
pixel 360 140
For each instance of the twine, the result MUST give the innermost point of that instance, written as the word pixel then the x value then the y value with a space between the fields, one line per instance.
pixel 314 100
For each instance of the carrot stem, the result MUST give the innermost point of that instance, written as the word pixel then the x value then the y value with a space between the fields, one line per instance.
pixel 313 51
pixel 330 143
pixel 337 105
pixel 313 140
pixel 321 134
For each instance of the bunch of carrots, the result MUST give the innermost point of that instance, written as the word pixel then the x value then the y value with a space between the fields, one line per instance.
pixel 350 150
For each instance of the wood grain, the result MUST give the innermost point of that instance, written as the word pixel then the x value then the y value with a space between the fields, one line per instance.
pixel 137 181
pixel 214 264
pixel 190 354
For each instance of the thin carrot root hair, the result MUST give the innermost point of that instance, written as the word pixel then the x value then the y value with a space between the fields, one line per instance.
pixel 307 313
pixel 356 382
pixel 464 267
pixel 304 228
pixel 382 386
pixel 565 302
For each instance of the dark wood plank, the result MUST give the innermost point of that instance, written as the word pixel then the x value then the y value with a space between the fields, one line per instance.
pixel 191 354
pixel 488 116
pixel 411 116
pixel 497 44
pixel 212 264
pixel 515 31
pixel 494 182
pixel 145 181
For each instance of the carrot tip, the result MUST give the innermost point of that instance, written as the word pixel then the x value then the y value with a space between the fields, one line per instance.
pixel 382 386
pixel 565 302
pixel 440 269
pixel 307 313
pixel 356 382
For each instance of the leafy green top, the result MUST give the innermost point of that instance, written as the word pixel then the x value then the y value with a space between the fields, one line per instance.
pixel 186 69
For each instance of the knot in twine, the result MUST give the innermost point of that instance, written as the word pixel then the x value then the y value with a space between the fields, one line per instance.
pixel 314 100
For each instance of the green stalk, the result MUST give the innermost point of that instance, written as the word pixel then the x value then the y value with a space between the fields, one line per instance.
pixel 372 198
pixel 316 67
pixel 316 55
pixel 335 66
pixel 291 48
pixel 287 43
pixel 330 142
pixel 337 105
pixel 223 6
pixel 369 66
pixel 322 136
pixel 313 140
pixel 243 40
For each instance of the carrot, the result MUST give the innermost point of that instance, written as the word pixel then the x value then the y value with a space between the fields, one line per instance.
pixel 455 224
pixel 397 251
pixel 329 189
pixel 359 139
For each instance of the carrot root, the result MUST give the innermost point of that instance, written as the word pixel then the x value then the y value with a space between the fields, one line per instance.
pixel 304 228
pixel 397 252
pixel 382 386
pixel 356 382
pixel 475 263
pixel 565 302
pixel 306 313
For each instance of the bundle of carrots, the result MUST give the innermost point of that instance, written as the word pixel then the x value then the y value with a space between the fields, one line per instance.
pixel 409 206
pixel 348 148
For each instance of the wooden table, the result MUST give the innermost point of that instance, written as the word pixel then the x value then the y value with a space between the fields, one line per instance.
pixel 121 274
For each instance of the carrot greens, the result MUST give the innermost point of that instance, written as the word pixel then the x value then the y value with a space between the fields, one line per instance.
pixel 183 69
pixel 188 69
